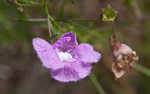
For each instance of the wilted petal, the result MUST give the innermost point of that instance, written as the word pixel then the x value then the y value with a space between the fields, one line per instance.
pixel 86 53
pixel 123 50
pixel 66 43
pixel 117 72
pixel 47 54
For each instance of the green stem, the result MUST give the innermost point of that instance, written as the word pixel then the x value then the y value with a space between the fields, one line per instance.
pixel 26 4
pixel 49 19
pixel 141 69
pixel 97 84
pixel 17 3
pixel 61 13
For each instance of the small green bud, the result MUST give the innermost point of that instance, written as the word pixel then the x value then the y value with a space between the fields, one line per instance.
pixel 109 14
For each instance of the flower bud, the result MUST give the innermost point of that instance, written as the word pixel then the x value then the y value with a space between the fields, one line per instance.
pixel 20 9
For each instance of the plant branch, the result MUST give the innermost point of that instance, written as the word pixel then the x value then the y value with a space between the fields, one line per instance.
pixel 141 69
pixel 61 13
pixel 26 4
pixel 97 84
pixel 137 10
pixel 49 19
pixel 63 20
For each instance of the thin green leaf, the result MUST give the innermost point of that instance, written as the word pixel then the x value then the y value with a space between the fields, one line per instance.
pixel 61 13
pixel 141 69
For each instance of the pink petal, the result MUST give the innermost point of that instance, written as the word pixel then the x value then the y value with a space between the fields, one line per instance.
pixel 47 54
pixel 66 43
pixel 117 73
pixel 87 54
pixel 65 74
pixel 83 69
pixel 72 72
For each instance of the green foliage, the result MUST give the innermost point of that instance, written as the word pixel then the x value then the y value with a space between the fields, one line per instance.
pixel 129 3
pixel 26 1
pixel 141 69
pixel 61 13
pixel 144 6
pixel 96 83
pixel 109 14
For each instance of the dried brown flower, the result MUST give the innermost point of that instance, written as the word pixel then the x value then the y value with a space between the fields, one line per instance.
pixel 123 56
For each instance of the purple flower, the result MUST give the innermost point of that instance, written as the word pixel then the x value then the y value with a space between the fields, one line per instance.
pixel 67 61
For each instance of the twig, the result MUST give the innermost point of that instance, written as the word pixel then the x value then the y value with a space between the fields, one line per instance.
pixel 137 10
pixel 37 20
pixel 63 20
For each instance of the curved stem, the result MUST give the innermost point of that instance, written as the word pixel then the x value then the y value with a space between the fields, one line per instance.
pixel 61 13
pixel 97 84
pixel 26 4
pixel 141 69
pixel 49 18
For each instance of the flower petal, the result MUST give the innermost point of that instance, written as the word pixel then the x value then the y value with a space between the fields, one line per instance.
pixel 73 71
pixel 83 69
pixel 123 50
pixel 47 54
pixel 65 74
pixel 118 73
pixel 66 43
pixel 86 53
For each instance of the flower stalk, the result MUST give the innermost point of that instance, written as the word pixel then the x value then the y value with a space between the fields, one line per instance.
pixel 52 25
pixel 141 69
pixel 97 84
pixel 61 13
pixel 49 19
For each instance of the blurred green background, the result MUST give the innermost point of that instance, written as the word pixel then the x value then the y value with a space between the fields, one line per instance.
pixel 21 71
